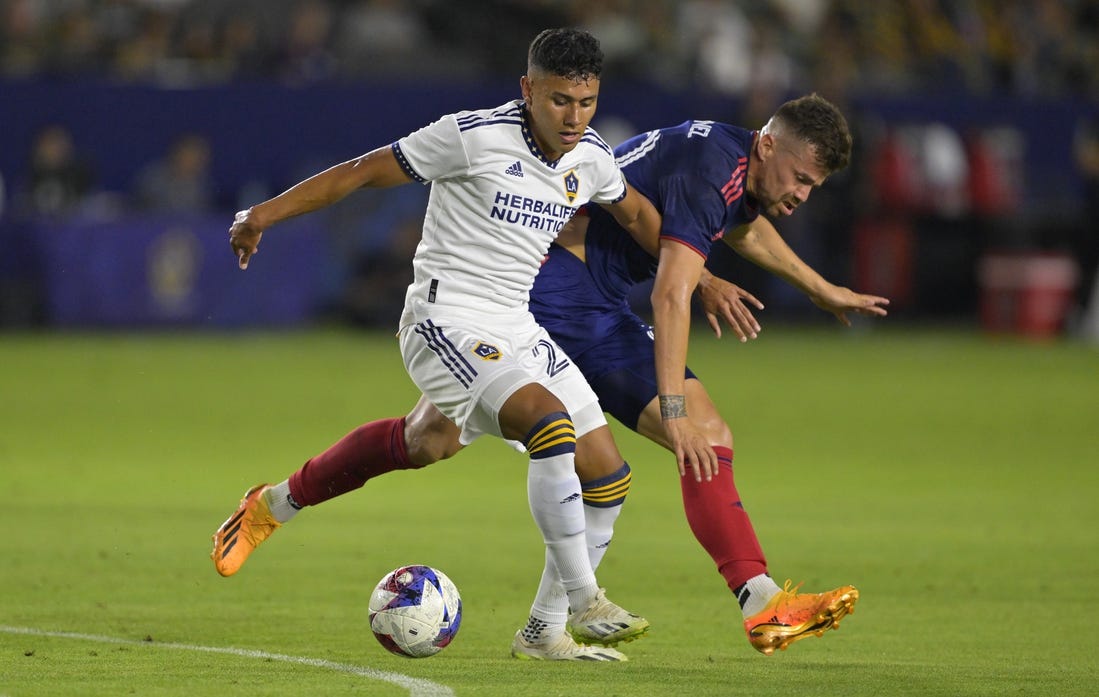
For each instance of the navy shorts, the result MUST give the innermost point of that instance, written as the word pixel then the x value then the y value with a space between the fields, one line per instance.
pixel 618 363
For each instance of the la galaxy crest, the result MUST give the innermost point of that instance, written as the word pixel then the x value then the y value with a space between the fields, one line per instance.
pixel 486 352
pixel 572 185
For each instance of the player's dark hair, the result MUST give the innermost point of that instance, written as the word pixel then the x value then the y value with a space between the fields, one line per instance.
pixel 817 121
pixel 569 53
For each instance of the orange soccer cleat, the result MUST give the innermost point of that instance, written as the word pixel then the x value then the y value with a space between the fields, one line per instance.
pixel 789 617
pixel 238 537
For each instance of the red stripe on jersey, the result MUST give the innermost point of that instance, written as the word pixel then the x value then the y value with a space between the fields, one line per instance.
pixel 688 245
pixel 734 188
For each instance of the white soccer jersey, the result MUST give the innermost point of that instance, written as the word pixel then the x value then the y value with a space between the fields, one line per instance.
pixel 496 204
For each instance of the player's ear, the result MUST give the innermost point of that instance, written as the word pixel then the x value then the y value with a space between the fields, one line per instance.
pixel 765 147
pixel 525 88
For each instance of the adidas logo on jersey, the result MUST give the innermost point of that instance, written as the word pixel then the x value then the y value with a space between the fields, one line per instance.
pixel 516 170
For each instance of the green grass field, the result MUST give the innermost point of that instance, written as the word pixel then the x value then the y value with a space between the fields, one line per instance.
pixel 951 477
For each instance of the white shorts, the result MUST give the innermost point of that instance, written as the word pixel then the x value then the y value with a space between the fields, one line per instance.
pixel 469 367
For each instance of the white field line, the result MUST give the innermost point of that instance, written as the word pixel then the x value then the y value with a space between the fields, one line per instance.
pixel 415 686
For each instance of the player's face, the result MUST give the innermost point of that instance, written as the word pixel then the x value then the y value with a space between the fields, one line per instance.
pixel 560 110
pixel 788 171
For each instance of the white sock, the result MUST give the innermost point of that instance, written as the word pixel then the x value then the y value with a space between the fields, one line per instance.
pixel 600 530
pixel 550 609
pixel 281 502
pixel 760 590
pixel 553 491
pixel 551 605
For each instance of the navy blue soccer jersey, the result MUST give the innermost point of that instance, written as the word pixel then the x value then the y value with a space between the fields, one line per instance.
pixel 695 174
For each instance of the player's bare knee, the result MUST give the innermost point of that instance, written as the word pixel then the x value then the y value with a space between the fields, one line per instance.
pixel 429 436
pixel 526 407
pixel 712 426
pixel 718 432
pixel 597 455
pixel 430 440
pixel 426 446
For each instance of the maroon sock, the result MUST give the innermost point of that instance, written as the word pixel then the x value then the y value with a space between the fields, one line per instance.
pixel 368 451
pixel 721 525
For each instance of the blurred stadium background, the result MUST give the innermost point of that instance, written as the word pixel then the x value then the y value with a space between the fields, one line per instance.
pixel 133 129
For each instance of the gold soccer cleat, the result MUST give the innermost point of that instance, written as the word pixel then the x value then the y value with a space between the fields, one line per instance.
pixel 238 537
pixel 789 616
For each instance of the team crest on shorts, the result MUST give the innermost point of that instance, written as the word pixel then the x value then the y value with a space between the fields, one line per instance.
pixel 572 185
pixel 487 352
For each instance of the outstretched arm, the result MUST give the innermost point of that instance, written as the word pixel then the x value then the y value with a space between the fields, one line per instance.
pixel 378 168
pixel 760 243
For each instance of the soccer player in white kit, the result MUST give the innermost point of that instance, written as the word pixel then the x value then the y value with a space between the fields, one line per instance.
pixel 503 183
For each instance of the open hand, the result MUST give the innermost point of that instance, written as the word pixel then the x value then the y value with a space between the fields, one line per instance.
pixel 722 300
pixel 839 301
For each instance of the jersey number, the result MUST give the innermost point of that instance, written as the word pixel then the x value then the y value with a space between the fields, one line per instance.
pixel 553 365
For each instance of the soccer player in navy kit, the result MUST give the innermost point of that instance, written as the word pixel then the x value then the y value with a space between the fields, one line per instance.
pixel 711 182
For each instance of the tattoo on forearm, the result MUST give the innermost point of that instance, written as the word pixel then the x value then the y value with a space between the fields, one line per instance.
pixel 673 406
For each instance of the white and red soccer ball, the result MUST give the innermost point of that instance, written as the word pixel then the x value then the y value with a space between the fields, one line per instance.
pixel 415 611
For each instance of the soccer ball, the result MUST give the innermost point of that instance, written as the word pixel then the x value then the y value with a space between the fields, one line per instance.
pixel 415 611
